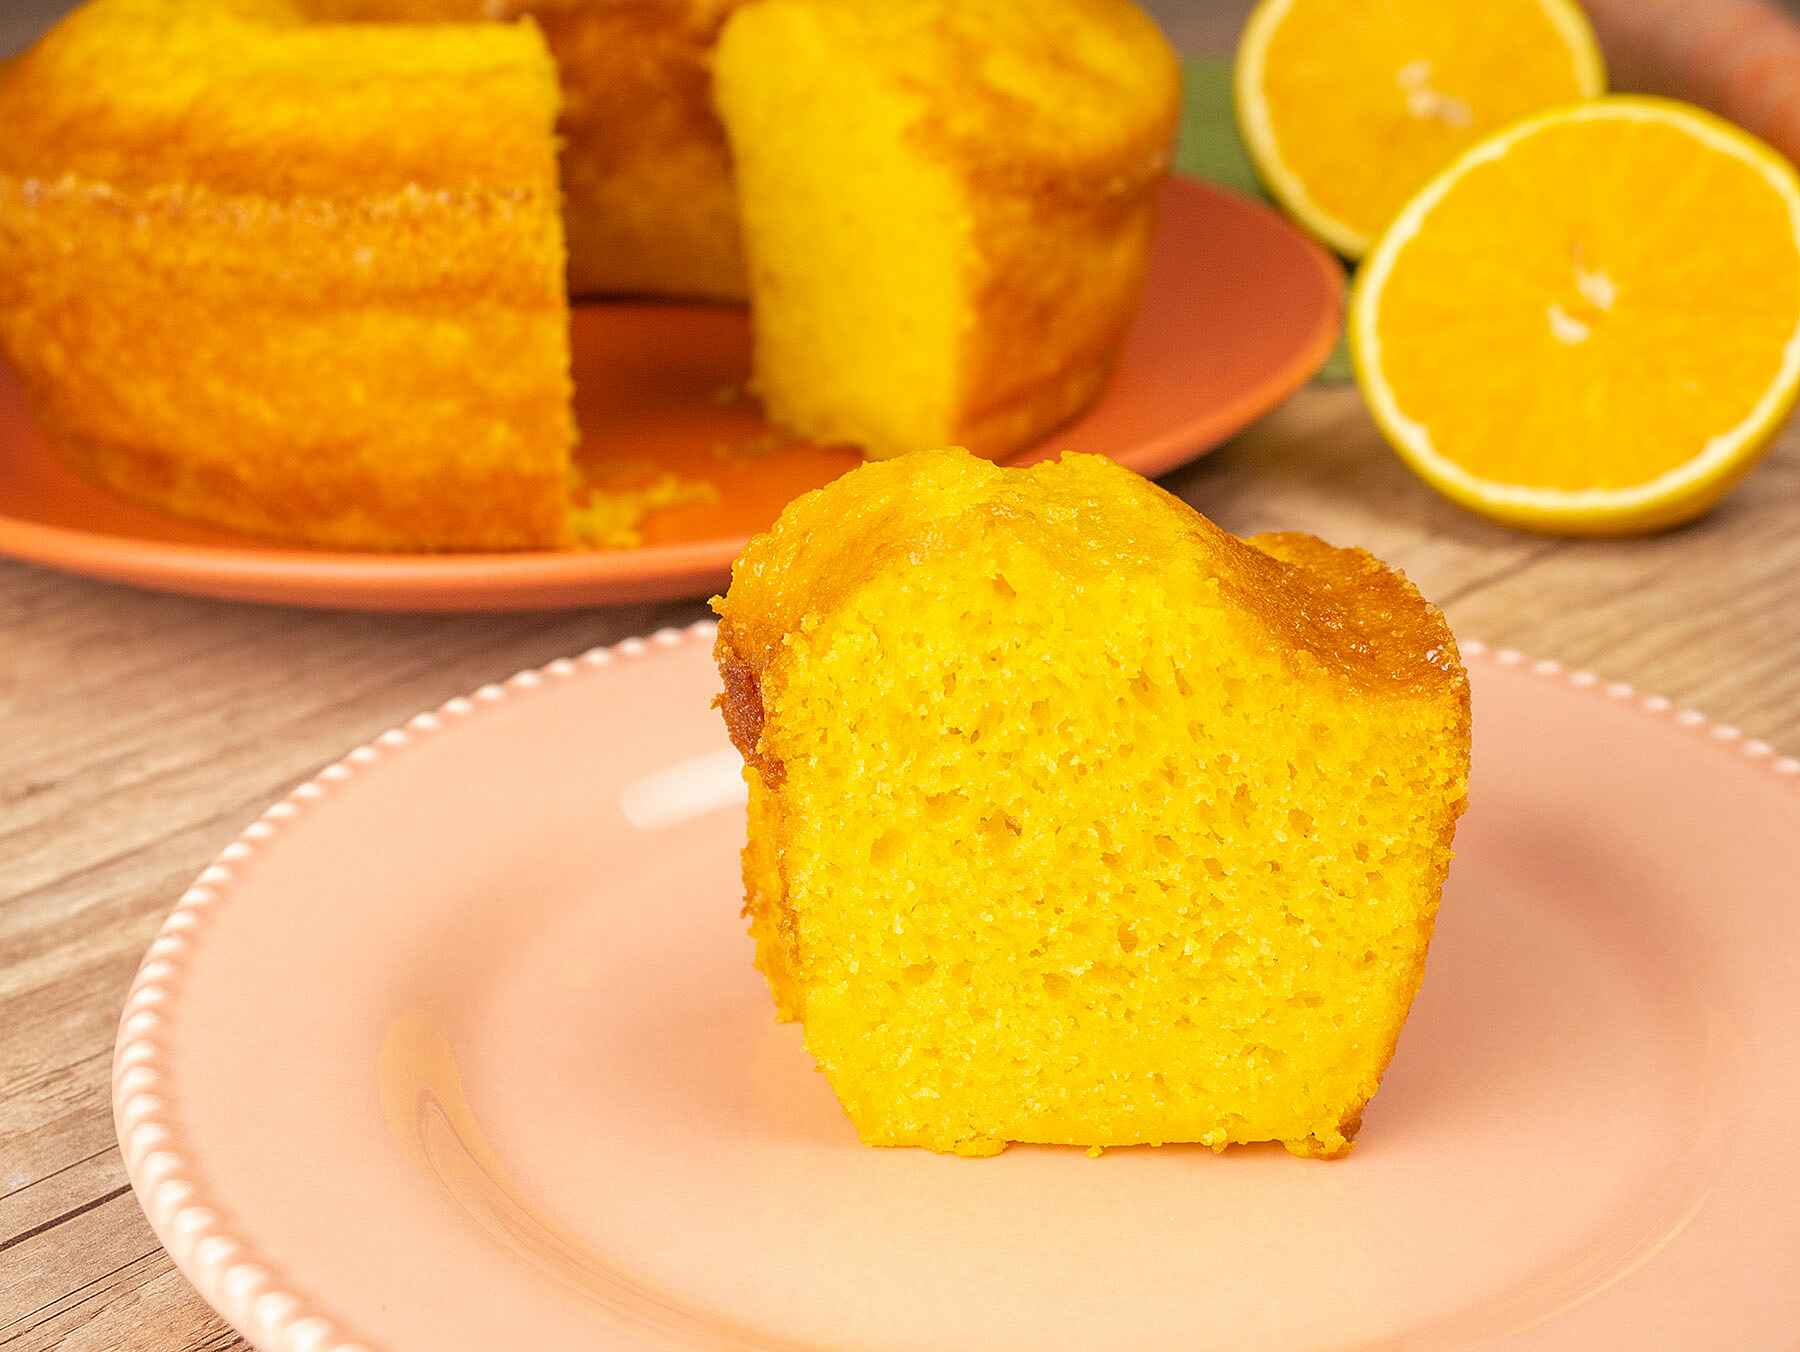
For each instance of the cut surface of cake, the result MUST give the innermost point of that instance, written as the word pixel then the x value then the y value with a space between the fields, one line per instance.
pixel 304 274
pixel 648 202
pixel 946 207
pixel 281 280
pixel 1075 819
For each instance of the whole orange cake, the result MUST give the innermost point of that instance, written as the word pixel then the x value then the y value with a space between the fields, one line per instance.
pixel 1074 819
pixel 303 274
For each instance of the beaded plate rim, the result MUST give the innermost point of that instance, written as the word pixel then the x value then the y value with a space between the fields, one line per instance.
pixel 249 1290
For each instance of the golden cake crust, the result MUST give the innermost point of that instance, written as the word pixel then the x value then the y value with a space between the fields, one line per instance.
pixel 648 202
pixel 1337 618
pixel 346 327
pixel 1339 610
pixel 648 199
pixel 1047 128
pixel 1063 213
pixel 280 281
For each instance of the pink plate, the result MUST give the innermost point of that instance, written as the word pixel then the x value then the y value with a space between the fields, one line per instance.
pixel 1239 311
pixel 460 1047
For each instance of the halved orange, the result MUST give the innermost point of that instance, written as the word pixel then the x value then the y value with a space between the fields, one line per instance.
pixel 1590 322
pixel 1350 106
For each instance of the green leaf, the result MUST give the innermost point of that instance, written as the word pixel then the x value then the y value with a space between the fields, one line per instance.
pixel 1208 145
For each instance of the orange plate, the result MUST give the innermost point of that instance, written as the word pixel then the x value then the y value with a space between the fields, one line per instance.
pixel 1240 310
pixel 527 1091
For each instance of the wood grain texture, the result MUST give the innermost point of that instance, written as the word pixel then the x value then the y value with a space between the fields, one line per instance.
pixel 139 732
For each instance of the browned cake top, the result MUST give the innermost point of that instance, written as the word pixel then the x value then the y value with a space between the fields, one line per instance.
pixel 1342 609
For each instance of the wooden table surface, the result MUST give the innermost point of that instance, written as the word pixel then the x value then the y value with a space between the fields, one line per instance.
pixel 138 732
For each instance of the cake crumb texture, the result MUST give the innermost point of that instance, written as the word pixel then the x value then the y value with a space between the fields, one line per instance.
pixel 279 278
pixel 648 201
pixel 1075 819
pixel 946 207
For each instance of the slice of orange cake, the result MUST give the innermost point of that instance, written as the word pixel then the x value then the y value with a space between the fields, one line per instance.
pixel 1075 819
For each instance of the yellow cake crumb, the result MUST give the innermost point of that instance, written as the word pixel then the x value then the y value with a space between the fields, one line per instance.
pixel 299 280
pixel 946 207
pixel 613 517
pixel 304 274
pixel 1074 819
